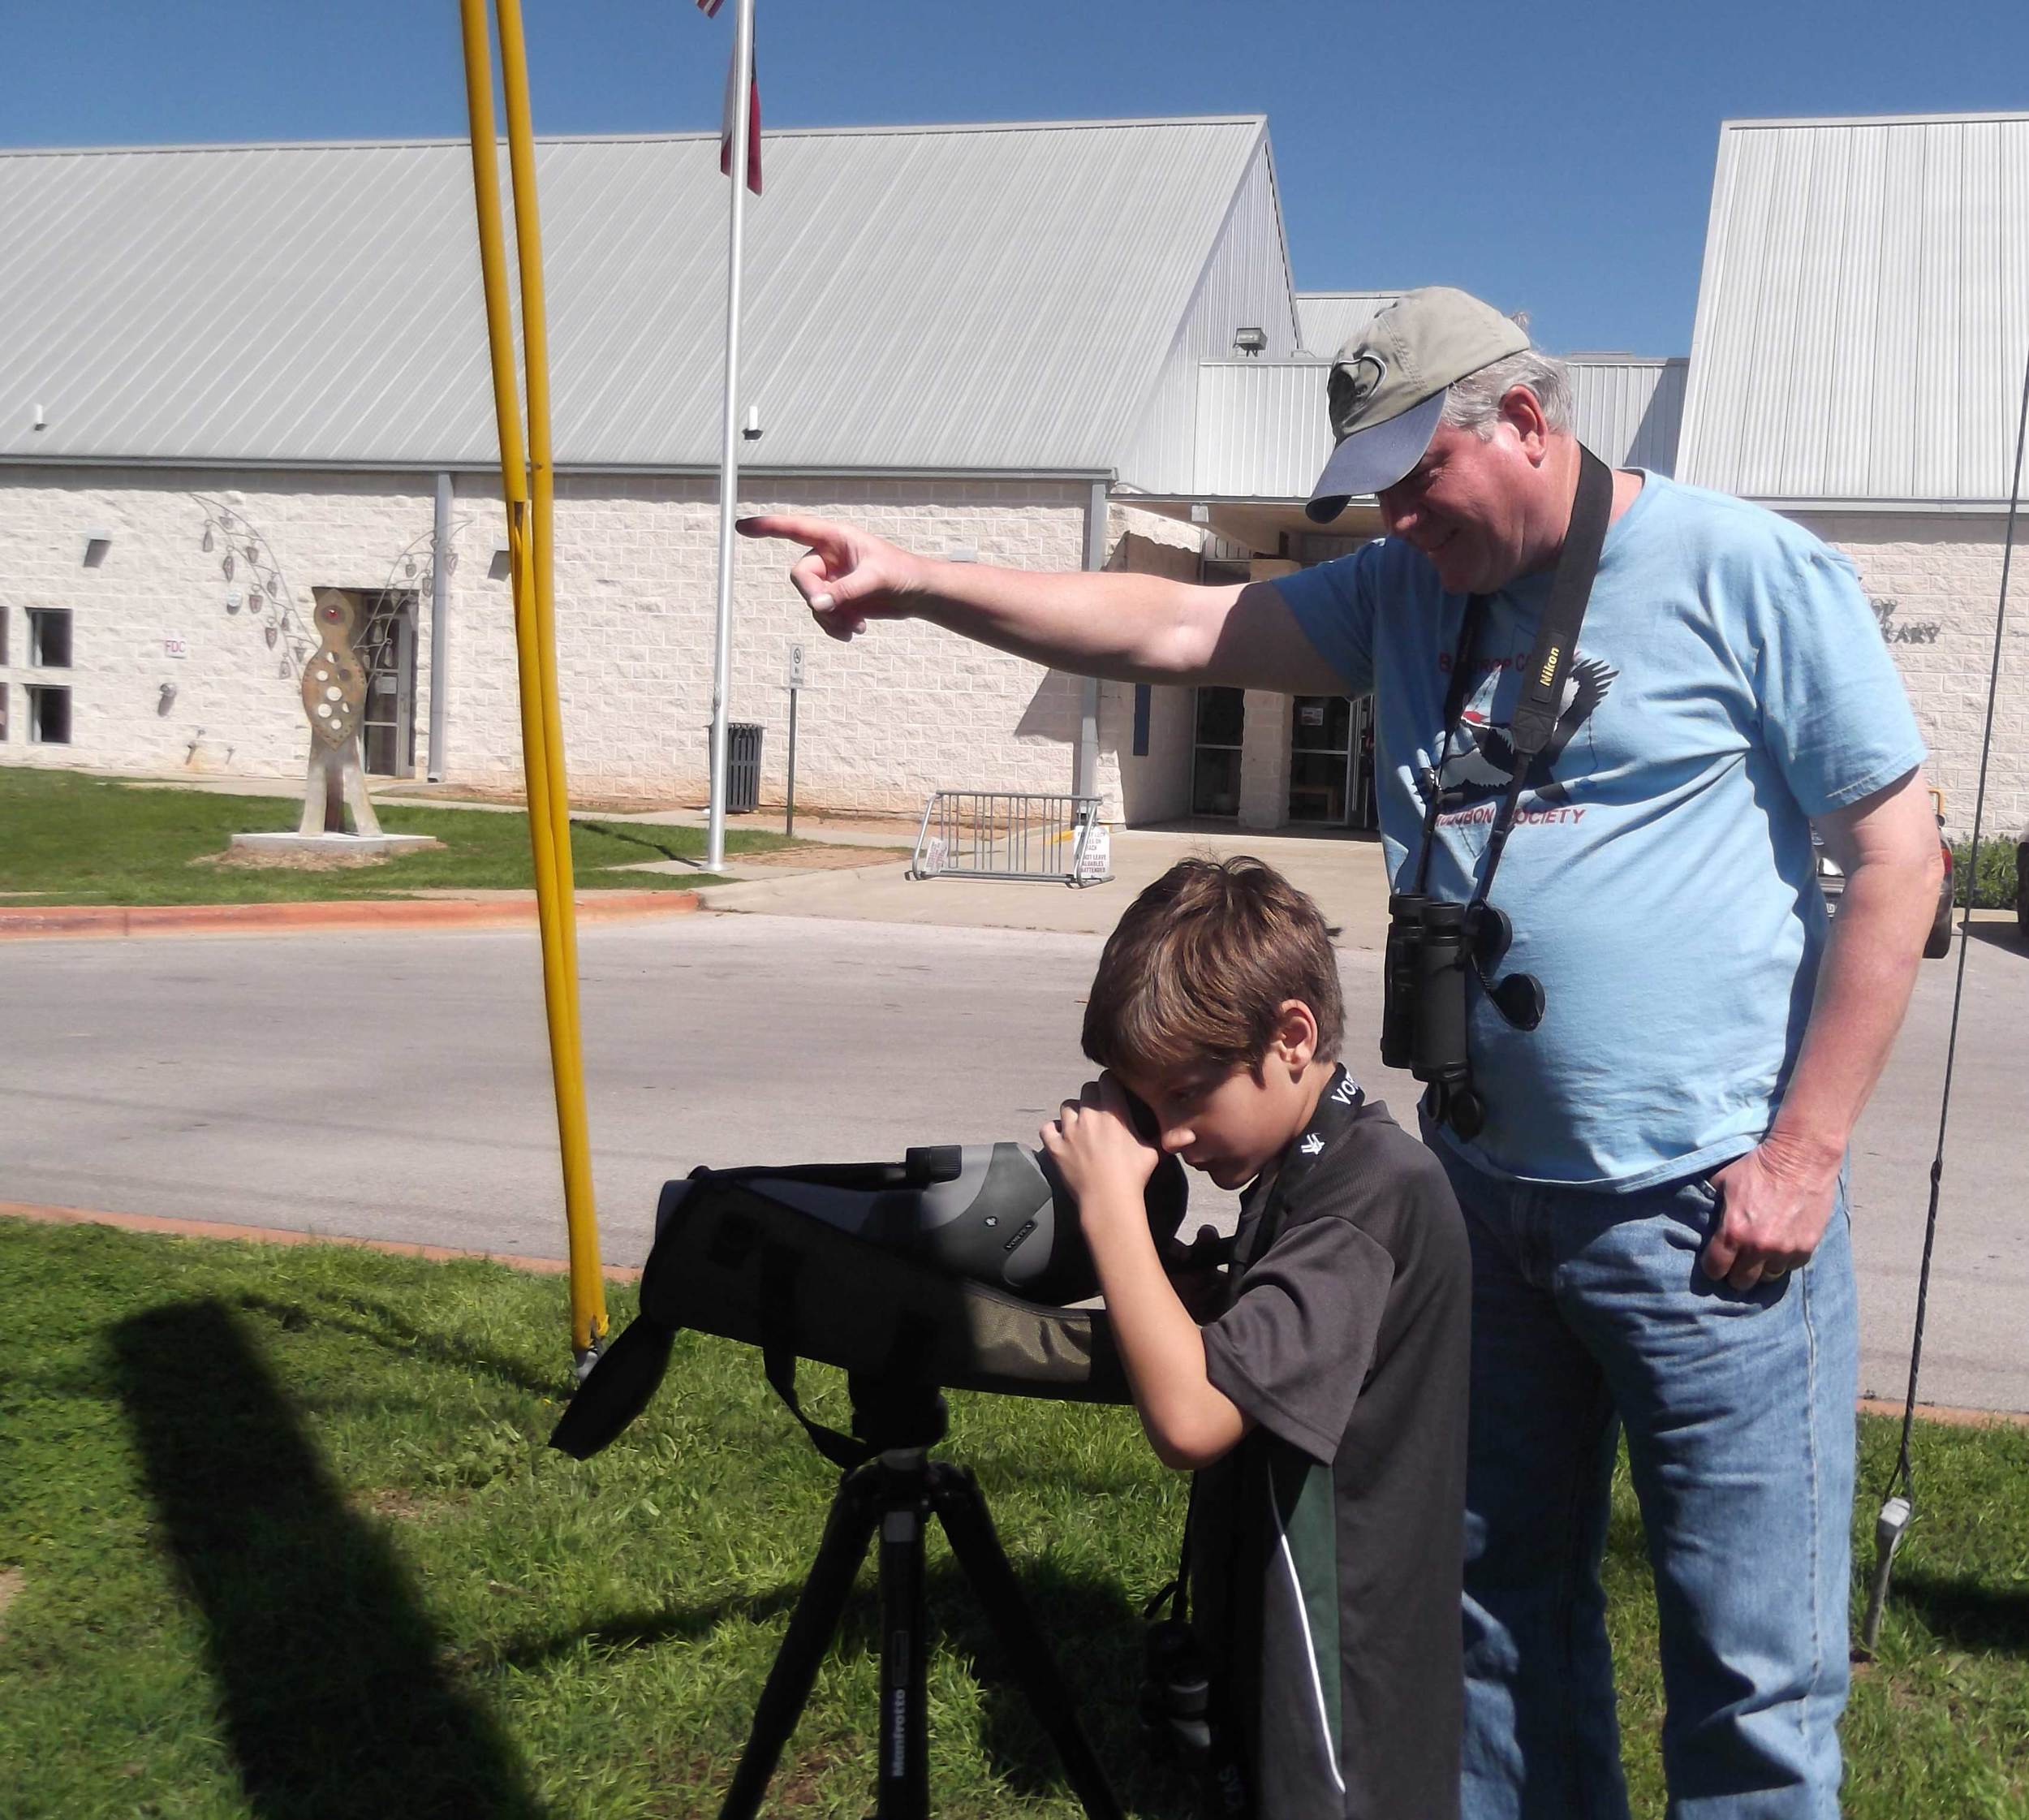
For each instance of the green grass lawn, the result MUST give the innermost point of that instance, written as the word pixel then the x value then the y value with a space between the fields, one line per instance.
pixel 66 837
pixel 279 1537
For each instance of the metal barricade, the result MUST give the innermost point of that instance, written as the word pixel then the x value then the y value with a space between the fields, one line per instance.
pixel 1012 834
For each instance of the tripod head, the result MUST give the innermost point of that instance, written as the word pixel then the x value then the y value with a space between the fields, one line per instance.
pixel 888 1416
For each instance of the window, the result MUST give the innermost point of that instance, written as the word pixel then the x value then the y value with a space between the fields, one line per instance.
pixel 49 715
pixel 3 710
pixel 3 638
pixel 49 637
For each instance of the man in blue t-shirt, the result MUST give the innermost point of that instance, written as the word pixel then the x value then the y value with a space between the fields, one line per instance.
pixel 1655 1195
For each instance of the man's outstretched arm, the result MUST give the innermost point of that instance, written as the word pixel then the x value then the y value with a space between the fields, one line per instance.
pixel 1133 628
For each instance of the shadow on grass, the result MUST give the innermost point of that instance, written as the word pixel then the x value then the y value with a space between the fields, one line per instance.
pixel 643 1630
pixel 381 1324
pixel 333 1699
pixel 1967 1613
pixel 1095 1634
pixel 632 836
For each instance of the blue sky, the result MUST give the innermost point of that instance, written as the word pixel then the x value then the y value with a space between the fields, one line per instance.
pixel 1552 156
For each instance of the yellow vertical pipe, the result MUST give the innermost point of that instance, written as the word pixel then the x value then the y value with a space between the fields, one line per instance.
pixel 534 333
pixel 587 1287
pixel 528 556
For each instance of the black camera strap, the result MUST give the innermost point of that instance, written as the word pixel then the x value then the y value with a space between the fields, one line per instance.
pixel 1469 625
pixel 1336 1105
pixel 1549 666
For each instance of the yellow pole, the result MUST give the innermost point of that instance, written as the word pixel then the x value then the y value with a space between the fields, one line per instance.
pixel 535 331
pixel 529 557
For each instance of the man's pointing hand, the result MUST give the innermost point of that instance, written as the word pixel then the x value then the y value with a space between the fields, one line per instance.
pixel 847 575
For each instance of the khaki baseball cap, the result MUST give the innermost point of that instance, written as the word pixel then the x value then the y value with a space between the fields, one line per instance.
pixel 1387 388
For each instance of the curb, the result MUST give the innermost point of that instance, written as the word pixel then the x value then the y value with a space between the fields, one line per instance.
pixel 22 922
pixel 1945 1415
pixel 163 1227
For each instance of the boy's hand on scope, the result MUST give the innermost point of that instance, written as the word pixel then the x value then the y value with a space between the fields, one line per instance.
pixel 847 575
pixel 1103 1160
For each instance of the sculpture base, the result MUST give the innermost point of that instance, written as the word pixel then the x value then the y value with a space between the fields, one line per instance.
pixel 357 847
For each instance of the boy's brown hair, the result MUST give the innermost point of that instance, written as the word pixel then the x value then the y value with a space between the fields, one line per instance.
pixel 1198 968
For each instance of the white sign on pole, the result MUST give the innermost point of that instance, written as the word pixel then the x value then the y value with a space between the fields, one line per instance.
pixel 1096 859
pixel 795 667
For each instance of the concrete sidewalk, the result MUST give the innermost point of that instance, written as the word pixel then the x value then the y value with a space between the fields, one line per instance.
pixel 1342 872
pixel 1345 875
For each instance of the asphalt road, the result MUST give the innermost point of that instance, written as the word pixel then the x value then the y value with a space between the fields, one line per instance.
pixel 397 1086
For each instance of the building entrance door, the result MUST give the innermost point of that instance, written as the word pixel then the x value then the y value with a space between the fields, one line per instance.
pixel 387 653
pixel 1332 761
pixel 1215 752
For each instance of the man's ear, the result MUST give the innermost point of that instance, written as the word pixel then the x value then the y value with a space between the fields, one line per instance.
pixel 1295 1043
pixel 1522 411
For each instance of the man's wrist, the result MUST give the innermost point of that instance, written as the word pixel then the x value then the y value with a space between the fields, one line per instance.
pixel 1812 1149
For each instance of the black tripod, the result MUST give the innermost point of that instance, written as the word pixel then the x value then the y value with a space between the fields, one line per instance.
pixel 894 1490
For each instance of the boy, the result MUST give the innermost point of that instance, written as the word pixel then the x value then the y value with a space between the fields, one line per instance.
pixel 1323 1407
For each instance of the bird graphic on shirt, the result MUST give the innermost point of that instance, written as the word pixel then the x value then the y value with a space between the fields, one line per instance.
pixel 1481 763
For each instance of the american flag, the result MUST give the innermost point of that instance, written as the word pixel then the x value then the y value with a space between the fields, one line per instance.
pixel 726 119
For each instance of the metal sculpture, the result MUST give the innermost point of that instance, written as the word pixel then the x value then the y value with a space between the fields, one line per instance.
pixel 333 697
pixel 248 556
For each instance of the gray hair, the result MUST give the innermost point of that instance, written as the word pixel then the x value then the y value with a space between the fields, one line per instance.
pixel 1473 402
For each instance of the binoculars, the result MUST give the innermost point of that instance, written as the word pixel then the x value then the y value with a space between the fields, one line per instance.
pixel 1432 947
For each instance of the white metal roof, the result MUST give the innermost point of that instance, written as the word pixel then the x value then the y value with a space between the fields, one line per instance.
pixel 996 299
pixel 1863 313
pixel 1328 317
pixel 1627 410
pixel 1263 433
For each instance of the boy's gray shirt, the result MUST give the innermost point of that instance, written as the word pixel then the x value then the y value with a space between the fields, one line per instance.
pixel 1327 1547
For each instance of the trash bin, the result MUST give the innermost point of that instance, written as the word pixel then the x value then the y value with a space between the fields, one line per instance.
pixel 743 767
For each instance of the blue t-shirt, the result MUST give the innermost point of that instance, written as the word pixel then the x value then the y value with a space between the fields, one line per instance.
pixel 1729 683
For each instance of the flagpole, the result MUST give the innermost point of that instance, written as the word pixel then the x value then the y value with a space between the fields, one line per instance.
pixel 728 443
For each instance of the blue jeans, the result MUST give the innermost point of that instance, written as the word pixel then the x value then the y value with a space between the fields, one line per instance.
pixel 1590 1316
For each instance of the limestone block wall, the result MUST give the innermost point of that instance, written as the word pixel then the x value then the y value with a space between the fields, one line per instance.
pixel 231 703
pixel 881 721
pixel 1934 581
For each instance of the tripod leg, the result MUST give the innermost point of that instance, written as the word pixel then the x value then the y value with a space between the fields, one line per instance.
pixel 855 1510
pixel 904 1745
pixel 955 1496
